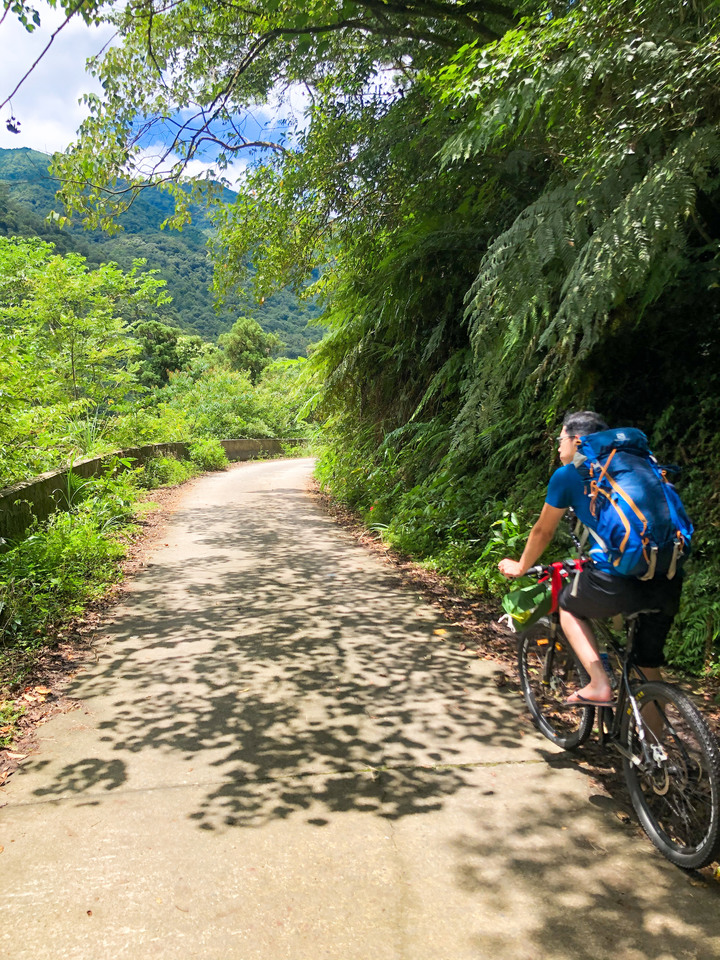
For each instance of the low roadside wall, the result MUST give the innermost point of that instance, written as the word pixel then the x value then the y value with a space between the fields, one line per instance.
pixel 42 495
pixel 247 449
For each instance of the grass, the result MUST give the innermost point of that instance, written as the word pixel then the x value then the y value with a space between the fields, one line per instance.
pixel 10 714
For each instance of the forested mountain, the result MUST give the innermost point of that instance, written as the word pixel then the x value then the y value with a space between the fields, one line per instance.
pixel 27 195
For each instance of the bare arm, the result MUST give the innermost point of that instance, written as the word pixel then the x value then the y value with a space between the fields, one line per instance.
pixel 540 536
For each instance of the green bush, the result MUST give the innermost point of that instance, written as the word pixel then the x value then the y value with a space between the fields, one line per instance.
pixel 148 421
pixel 110 498
pixel 165 472
pixel 49 576
pixel 10 713
pixel 208 454
pixel 223 404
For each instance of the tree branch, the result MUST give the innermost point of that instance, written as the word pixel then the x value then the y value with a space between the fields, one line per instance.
pixel 434 9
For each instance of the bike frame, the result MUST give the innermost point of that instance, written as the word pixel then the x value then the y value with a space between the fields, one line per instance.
pixel 610 718
pixel 610 731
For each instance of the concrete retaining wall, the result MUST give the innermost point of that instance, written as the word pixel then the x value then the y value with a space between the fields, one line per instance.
pixel 42 495
pixel 247 449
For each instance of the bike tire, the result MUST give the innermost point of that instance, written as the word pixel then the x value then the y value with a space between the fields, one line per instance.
pixel 676 795
pixel 549 673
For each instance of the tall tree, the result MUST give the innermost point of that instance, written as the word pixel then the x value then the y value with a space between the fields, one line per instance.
pixel 247 347
pixel 66 345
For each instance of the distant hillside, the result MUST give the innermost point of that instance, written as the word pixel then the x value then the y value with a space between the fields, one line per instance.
pixel 27 195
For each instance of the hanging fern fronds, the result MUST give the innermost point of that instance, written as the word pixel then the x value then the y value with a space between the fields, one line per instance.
pixel 548 286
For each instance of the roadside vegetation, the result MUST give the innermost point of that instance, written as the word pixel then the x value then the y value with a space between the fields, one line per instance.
pixel 87 371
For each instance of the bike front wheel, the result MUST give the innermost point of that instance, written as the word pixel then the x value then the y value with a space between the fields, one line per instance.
pixel 674 783
pixel 549 673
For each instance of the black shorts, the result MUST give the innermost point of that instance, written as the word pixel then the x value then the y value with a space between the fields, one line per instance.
pixel 600 595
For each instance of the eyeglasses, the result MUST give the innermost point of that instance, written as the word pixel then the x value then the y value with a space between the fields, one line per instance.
pixel 563 436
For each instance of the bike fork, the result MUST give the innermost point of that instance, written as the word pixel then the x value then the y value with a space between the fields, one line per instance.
pixel 652 754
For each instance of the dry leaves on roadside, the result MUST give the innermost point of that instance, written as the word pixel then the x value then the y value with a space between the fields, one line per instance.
pixel 35 694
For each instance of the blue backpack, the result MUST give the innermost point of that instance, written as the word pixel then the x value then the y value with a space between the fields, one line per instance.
pixel 640 522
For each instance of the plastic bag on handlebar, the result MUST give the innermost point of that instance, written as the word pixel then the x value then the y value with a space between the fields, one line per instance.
pixel 528 604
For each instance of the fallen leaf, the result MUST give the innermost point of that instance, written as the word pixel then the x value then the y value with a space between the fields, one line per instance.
pixel 43 690
pixel 15 756
pixel 440 632
pixel 463 646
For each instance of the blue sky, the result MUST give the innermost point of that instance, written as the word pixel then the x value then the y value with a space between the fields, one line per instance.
pixel 47 104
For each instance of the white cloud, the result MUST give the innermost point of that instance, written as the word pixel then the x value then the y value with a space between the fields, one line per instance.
pixel 234 172
pixel 148 161
pixel 289 104
pixel 47 103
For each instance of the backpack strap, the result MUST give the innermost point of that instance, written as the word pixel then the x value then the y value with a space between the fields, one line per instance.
pixel 621 515
pixel 628 499
pixel 678 551
pixel 680 544
pixel 597 538
pixel 595 484
pixel 583 538
pixel 651 562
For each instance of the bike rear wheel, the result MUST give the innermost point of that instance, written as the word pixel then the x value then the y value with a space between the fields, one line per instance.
pixel 675 789
pixel 549 673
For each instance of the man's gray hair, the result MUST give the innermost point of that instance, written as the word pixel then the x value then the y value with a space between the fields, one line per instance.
pixel 583 422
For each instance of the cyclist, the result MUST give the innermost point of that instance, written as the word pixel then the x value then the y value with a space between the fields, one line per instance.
pixel 600 592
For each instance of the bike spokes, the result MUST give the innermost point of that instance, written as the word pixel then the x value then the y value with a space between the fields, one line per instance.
pixel 549 672
pixel 674 776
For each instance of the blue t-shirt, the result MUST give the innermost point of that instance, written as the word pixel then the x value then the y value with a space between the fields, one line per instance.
pixel 567 489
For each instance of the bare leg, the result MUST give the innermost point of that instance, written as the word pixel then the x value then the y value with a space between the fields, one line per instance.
pixel 582 640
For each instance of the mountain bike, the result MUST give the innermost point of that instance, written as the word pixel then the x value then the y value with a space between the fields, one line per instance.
pixel 670 758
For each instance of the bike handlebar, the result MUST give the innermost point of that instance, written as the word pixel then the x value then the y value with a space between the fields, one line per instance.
pixel 569 566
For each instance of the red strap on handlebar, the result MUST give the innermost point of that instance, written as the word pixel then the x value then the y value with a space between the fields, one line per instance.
pixel 557 572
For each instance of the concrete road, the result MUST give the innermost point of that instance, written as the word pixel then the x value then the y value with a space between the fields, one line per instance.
pixel 277 758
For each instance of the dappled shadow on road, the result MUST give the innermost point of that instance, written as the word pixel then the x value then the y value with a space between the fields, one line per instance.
pixel 580 884
pixel 277 656
pixel 279 672
pixel 90 774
